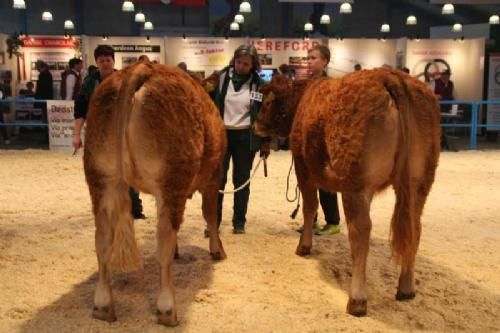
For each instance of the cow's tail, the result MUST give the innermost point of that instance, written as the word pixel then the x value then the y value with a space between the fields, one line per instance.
pixel 125 254
pixel 405 224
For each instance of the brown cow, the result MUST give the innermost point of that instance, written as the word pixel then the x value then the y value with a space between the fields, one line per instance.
pixel 358 135
pixel 153 128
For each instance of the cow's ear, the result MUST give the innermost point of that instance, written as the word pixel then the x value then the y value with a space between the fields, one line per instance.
pixel 269 97
pixel 265 88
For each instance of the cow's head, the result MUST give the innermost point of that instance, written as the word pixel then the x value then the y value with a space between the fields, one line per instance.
pixel 278 107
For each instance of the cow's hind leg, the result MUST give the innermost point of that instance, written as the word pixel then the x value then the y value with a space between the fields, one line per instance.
pixel 111 204
pixel 170 211
pixel 310 206
pixel 357 211
pixel 406 236
pixel 209 207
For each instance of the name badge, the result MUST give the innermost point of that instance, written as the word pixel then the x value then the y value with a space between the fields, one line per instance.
pixel 256 96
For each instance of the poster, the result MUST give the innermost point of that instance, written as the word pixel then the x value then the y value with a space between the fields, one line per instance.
pixel 61 126
pixel 493 110
pixel 57 61
pixel 130 53
pixel 426 59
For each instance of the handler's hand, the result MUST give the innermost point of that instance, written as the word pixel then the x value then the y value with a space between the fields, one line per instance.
pixel 77 141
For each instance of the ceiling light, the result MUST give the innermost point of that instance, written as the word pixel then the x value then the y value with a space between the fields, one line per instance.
pixel 345 8
pixel 148 25
pixel 325 19
pixel 18 4
pixel 494 19
pixel 457 27
pixel 47 16
pixel 448 9
pixel 128 6
pixel 245 7
pixel 234 26
pixel 385 28
pixel 68 25
pixel 104 37
pixel 411 20
pixel 240 19
pixel 308 27
pixel 140 17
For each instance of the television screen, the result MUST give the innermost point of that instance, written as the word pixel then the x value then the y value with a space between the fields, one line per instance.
pixel 266 74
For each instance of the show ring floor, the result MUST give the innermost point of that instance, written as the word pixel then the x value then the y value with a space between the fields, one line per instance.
pixel 48 263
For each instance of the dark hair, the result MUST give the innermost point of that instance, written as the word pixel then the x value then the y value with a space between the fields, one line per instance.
pixel 40 64
pixel 29 83
pixel 143 58
pixel 357 67
pixel 323 50
pixel 406 70
pixel 74 62
pixel 182 65
pixel 247 50
pixel 104 51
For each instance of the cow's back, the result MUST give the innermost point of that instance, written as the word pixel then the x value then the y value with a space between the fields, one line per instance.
pixel 344 126
pixel 159 134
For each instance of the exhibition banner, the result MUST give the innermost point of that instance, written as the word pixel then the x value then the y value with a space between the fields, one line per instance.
pixel 127 49
pixel 493 110
pixel 60 118
pixel 427 59
pixel 49 42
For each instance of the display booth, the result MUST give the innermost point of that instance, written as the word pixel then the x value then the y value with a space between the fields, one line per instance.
pixel 426 59
pixel 369 53
pixel 205 55
pixel 127 49
pixel 56 51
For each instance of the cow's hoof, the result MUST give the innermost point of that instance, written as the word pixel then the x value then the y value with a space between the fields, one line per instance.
pixel 169 318
pixel 106 313
pixel 401 296
pixel 303 250
pixel 218 255
pixel 357 307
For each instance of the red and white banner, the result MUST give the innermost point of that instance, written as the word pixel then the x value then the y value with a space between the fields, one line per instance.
pixel 47 42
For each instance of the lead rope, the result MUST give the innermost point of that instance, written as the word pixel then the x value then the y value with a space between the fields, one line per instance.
pixel 249 179
pixel 297 193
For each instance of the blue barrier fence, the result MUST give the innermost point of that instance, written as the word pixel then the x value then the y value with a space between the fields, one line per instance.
pixel 22 101
pixel 473 125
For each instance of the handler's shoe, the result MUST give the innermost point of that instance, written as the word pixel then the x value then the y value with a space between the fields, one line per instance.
pixel 315 228
pixel 328 229
pixel 239 230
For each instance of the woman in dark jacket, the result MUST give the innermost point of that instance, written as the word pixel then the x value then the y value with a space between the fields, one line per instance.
pixel 237 97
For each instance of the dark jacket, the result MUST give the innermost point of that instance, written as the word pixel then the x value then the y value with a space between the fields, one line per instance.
pixel 76 87
pixel 44 86
pixel 220 93
pixel 89 84
pixel 445 91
